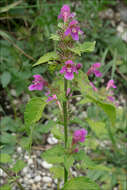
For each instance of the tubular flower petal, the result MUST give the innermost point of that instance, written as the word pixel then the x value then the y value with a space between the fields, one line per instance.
pixel 64 13
pixel 110 84
pixel 93 69
pixel 53 97
pixel 38 83
pixel 73 30
pixel 79 66
pixel 94 88
pixel 68 70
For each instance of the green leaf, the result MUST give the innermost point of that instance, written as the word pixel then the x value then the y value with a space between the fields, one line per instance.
pixel 94 97
pixel 68 161
pixel 54 155
pixel 57 171
pixel 98 127
pixel 81 183
pixel 54 37
pixel 85 47
pixel 56 131
pixel 5 158
pixel 6 187
pixel 8 7
pixel 109 109
pixel 5 79
pixel 7 138
pixel 18 166
pixel 47 127
pixel 47 57
pixel 34 109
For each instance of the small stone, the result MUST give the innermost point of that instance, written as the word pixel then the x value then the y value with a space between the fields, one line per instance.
pixel 52 140
pixel 47 179
pixel 56 181
pixel 28 175
pixel 26 157
pixel 37 178
pixel 46 165
pixel 25 170
pixel 19 149
pixel 30 181
pixel 30 161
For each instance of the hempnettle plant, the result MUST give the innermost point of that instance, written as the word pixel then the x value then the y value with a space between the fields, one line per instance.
pixel 69 77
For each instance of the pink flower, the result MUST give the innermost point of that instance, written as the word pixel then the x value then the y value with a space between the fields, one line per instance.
pixel 111 98
pixel 53 97
pixel 65 13
pixel 79 66
pixel 69 69
pixel 110 84
pixel 79 136
pixel 76 150
pixel 73 30
pixel 38 83
pixel 94 88
pixel 93 69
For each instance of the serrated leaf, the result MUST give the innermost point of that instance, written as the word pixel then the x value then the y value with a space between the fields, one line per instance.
pixel 5 158
pixel 85 47
pixel 109 109
pixel 18 166
pixel 34 109
pixel 68 161
pixel 56 131
pixel 5 79
pixel 54 155
pixel 47 127
pixel 57 171
pixel 47 57
pixel 98 127
pixel 54 37
pixel 81 183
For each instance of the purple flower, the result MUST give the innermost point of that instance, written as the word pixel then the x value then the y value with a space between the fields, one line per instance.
pixel 110 84
pixel 93 69
pixel 111 98
pixel 79 66
pixel 38 83
pixel 73 30
pixel 79 136
pixel 69 69
pixel 53 97
pixel 94 88
pixel 64 13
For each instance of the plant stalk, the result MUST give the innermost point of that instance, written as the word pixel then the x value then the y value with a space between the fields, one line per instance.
pixel 16 180
pixel 65 125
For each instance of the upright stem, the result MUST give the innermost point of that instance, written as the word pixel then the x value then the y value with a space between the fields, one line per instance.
pixel 65 125
pixel 16 180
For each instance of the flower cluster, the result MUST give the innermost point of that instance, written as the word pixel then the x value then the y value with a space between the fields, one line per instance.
pixel 93 70
pixel 78 136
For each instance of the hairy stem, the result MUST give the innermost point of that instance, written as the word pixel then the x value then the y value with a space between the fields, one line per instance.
pixel 16 180
pixel 65 125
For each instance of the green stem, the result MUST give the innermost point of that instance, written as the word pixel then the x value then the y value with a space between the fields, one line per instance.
pixel 65 125
pixel 16 180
